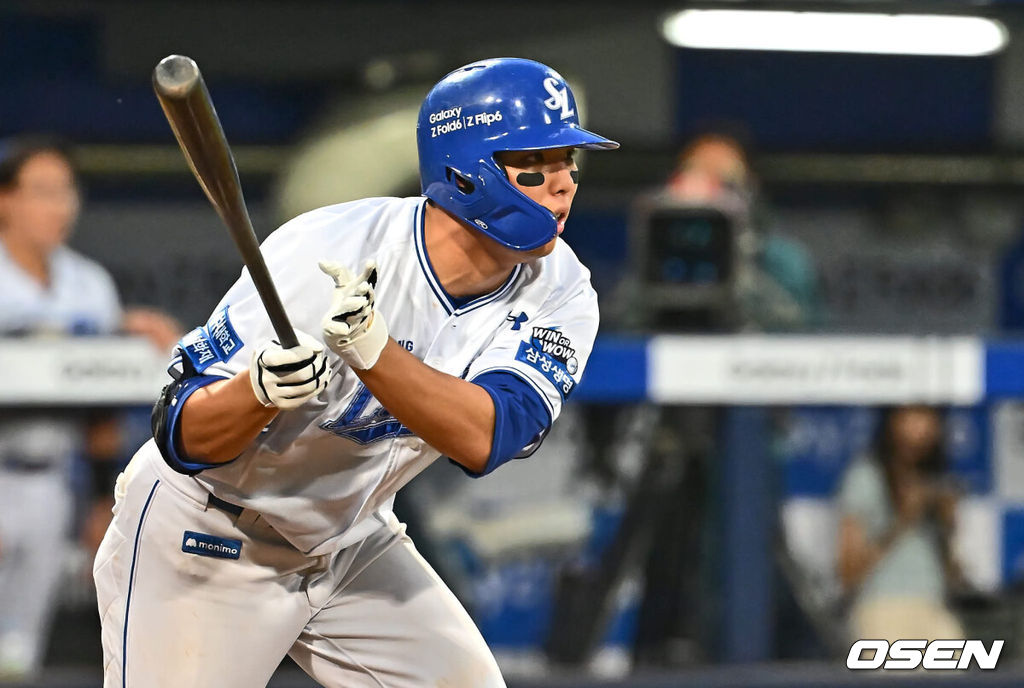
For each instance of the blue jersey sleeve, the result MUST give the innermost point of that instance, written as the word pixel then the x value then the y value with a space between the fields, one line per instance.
pixel 521 418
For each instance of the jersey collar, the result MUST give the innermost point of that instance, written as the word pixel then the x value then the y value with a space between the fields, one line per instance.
pixel 452 305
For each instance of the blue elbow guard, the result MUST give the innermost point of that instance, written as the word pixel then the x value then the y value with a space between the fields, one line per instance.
pixel 166 417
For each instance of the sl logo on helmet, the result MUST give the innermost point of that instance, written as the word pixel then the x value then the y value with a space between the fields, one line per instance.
pixel 559 99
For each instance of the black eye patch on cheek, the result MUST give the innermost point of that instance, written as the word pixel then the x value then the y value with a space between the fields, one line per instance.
pixel 575 174
pixel 530 178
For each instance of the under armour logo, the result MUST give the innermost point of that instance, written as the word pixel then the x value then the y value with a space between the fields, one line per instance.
pixel 517 320
pixel 559 99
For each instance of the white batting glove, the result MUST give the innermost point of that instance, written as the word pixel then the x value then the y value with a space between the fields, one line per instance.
pixel 288 378
pixel 352 327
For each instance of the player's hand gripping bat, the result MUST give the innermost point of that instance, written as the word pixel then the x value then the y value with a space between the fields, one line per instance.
pixel 183 96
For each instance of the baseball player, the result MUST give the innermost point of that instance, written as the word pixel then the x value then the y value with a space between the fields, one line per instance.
pixel 257 522
pixel 48 290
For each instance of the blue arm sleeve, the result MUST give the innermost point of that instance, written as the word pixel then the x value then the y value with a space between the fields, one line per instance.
pixel 168 438
pixel 521 419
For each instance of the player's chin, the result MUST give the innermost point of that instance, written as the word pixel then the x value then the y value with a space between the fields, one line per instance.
pixel 544 250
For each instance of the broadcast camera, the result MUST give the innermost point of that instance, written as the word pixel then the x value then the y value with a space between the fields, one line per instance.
pixel 692 261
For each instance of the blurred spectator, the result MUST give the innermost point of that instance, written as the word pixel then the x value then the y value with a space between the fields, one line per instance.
pixel 774 288
pixel 710 166
pixel 897 509
pixel 49 291
pixel 777 284
pixel 666 536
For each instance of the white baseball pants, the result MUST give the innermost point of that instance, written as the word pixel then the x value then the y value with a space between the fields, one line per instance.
pixel 178 609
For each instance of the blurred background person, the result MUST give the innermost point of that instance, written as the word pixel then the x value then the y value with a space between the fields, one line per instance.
pixel 770 285
pixel 50 291
pixel 777 283
pixel 720 270
pixel 773 287
pixel 897 517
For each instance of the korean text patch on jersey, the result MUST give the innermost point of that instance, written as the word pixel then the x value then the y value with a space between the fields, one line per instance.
pixel 222 335
pixel 215 341
pixel 550 352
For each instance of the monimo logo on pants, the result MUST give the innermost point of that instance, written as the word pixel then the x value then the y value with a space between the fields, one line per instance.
pixel 937 655
pixel 210 545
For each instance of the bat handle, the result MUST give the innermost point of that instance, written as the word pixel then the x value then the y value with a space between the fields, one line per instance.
pixel 284 330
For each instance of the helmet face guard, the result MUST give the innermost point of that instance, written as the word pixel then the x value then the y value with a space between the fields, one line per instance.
pixel 503 104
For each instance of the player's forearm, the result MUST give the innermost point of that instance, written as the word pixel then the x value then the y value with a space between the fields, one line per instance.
pixel 453 416
pixel 220 420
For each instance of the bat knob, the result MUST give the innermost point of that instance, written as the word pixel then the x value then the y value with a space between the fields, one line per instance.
pixel 176 76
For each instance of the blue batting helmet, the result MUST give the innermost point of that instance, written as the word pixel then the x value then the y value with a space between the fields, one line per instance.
pixel 502 104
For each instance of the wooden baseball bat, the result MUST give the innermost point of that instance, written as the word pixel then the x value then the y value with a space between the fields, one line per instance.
pixel 183 96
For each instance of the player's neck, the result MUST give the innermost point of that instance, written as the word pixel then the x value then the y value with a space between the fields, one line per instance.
pixel 466 262
pixel 27 257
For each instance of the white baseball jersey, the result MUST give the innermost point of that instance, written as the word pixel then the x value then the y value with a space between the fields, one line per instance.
pixel 317 472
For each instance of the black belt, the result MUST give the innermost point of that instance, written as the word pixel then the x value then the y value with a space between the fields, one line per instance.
pixel 218 503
